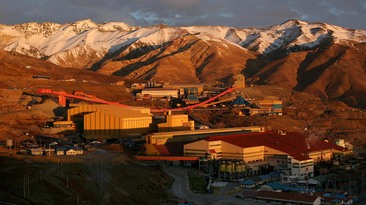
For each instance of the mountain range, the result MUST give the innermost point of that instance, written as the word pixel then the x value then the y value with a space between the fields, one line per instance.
pixel 322 59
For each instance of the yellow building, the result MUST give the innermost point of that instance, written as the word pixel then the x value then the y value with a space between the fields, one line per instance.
pixel 110 121
pixel 239 81
pixel 176 123
pixel 156 142
pixel 160 92
pixel 211 149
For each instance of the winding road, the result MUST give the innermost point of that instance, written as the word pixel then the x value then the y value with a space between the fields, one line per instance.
pixel 181 190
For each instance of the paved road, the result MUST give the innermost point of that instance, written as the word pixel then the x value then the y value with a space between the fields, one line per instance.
pixel 180 189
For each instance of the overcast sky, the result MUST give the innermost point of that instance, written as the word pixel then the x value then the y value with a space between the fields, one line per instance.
pixel 236 13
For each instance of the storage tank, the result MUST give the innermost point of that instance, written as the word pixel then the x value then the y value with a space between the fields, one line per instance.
pixel 237 167
pixel 229 167
pixel 9 143
pixel 242 165
pixel 222 166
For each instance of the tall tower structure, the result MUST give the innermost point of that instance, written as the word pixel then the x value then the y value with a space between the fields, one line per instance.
pixel 239 81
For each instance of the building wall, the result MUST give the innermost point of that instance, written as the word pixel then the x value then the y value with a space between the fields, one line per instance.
pixel 176 120
pixel 198 148
pixel 176 123
pixel 230 151
pixel 143 110
pixel 254 154
pixel 107 122
pixel 105 126
pixel 159 93
pixel 279 161
pixel 275 106
pixel 225 150
pixel 203 148
pixel 215 149
pixel 251 154
pixel 73 112
pixel 282 161
pixel 318 156
pixel 301 169
pixel 239 81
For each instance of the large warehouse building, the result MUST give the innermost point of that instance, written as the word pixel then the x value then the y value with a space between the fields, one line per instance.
pixel 292 152
pixel 110 121
pixel 171 143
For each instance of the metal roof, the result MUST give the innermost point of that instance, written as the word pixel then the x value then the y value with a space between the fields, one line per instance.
pixel 283 196
pixel 123 112
pixel 294 143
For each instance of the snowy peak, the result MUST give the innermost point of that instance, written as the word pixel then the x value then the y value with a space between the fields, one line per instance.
pixel 83 25
pixel 45 29
pixel 54 41
pixel 292 23
pixel 115 26
pixel 296 33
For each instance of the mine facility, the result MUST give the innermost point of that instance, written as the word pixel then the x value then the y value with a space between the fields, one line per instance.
pixel 172 135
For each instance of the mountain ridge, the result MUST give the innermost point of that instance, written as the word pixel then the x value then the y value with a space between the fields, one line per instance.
pixel 295 54
pixel 87 32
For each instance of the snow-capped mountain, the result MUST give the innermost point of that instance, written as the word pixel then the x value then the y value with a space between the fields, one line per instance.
pixel 59 42
pixel 319 58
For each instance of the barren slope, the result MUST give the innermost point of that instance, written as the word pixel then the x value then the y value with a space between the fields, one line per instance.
pixel 330 72
pixel 318 58
pixel 188 59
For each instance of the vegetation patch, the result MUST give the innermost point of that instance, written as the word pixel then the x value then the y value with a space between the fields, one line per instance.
pixel 197 182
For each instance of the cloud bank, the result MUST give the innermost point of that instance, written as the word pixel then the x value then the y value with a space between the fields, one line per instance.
pixel 236 13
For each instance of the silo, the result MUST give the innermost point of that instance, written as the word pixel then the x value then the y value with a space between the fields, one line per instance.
pixel 242 165
pixel 222 166
pixel 237 167
pixel 9 143
pixel 229 167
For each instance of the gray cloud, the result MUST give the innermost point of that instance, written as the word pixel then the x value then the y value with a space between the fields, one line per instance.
pixel 237 13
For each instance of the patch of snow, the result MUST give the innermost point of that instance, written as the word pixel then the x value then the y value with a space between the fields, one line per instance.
pixel 49 39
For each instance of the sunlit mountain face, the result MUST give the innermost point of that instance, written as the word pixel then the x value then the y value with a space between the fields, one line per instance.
pixel 322 59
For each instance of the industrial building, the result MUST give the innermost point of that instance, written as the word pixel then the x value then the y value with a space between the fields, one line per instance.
pixel 291 152
pixel 186 88
pixel 275 106
pixel 110 121
pixel 239 81
pixel 176 123
pixel 171 143
pixel 267 107
pixel 160 92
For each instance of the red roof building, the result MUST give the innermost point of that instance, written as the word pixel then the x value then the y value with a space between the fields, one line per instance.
pixel 284 197
pixel 291 152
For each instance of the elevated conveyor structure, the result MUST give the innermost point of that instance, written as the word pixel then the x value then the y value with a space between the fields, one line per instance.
pixel 201 104
pixel 62 97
